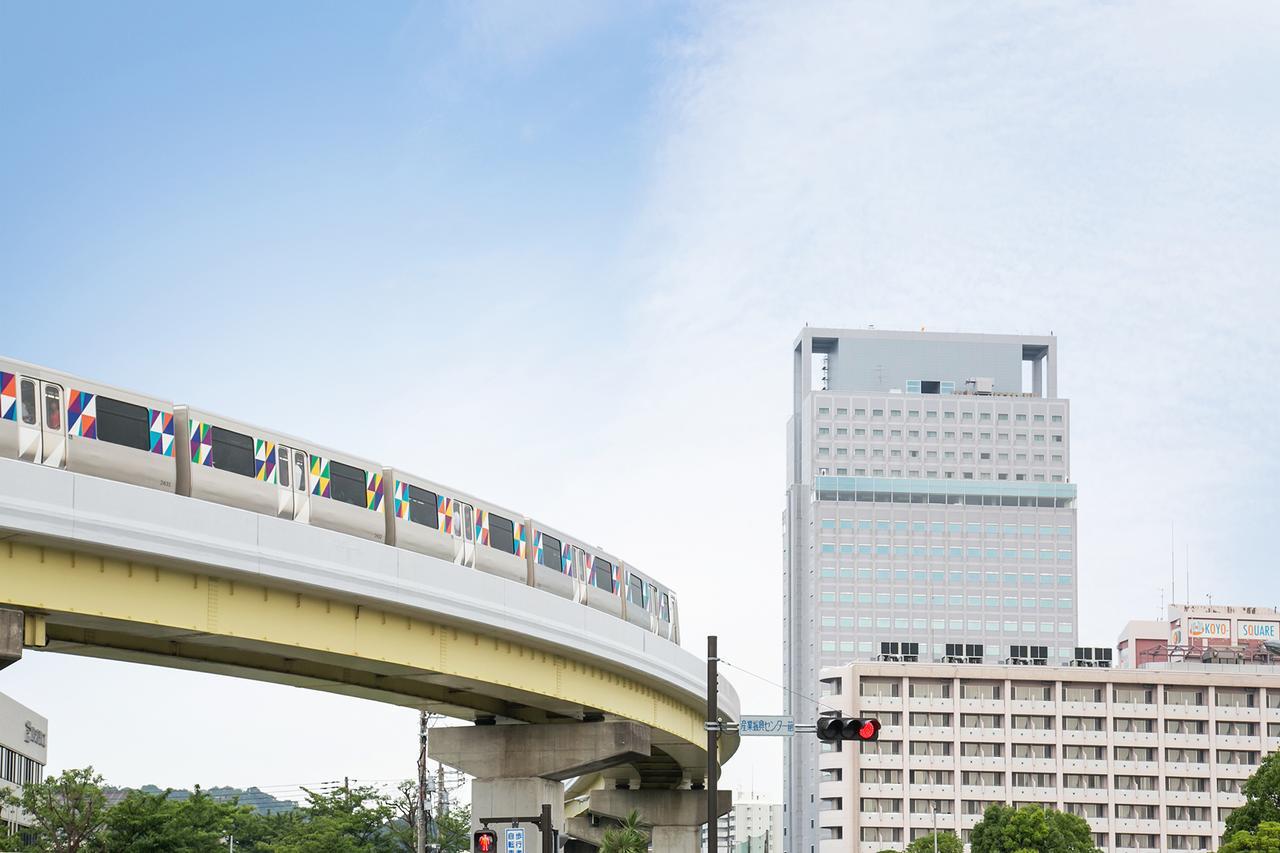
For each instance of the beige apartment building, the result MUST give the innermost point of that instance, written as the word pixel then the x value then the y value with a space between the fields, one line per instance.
pixel 1153 758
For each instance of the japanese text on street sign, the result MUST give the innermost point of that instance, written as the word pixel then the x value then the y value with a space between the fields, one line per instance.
pixel 767 726
pixel 515 840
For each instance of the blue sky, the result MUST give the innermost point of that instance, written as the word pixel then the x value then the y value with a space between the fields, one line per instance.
pixel 558 254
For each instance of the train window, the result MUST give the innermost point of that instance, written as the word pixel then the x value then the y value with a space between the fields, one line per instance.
pixel 124 424
pixel 651 596
pixel 52 407
pixel 347 484
pixel 231 451
pixel 282 465
pixel 602 574
pixel 635 590
pixel 28 401
pixel 422 506
pixel 549 556
pixel 502 534
pixel 665 611
pixel 300 470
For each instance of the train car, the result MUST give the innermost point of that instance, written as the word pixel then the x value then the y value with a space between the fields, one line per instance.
pixel 63 421
pixel 650 605
pixel 237 464
pixel 429 518
pixel 571 568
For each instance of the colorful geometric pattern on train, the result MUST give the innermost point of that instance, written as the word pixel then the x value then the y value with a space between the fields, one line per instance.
pixel 8 397
pixel 320 476
pixel 161 431
pixel 373 490
pixel 201 443
pixel 264 460
pixel 402 500
pixel 82 414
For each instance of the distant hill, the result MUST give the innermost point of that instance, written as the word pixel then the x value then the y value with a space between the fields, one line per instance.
pixel 261 801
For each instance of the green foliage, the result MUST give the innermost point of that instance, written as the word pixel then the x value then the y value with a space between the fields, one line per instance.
pixel 453 830
pixel 1265 840
pixel 156 823
pixel 1261 799
pixel 1030 829
pixel 628 837
pixel 68 810
pixel 948 842
pixel 72 816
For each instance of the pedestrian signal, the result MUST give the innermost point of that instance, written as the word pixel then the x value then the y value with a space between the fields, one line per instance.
pixel 485 841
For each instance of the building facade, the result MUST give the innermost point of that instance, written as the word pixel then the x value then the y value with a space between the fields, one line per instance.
pixel 1152 758
pixel 23 754
pixel 929 503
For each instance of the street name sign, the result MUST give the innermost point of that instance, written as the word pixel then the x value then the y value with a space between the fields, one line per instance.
pixel 766 726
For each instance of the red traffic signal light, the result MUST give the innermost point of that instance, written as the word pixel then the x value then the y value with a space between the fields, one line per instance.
pixel 847 728
pixel 485 841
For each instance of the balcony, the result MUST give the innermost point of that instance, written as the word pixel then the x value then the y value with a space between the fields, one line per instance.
pixel 1240 714
pixel 1032 706
pixel 1143 711
pixel 918 821
pixel 1084 709
pixel 986 762
pixel 1034 765
pixel 1038 795
pixel 986 735
pixel 1084 736
pixel 1034 735
pixel 1189 798
pixel 1189 741
pixel 931 762
pixel 982 706
pixel 1245 742
pixel 931 732
pixel 917 703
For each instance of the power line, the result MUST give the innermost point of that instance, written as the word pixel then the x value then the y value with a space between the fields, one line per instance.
pixel 816 702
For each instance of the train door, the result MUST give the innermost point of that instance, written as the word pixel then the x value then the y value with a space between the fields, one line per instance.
pixel 651 604
pixel 675 619
pixel 53 427
pixel 29 433
pixel 293 498
pixel 578 571
pixel 464 533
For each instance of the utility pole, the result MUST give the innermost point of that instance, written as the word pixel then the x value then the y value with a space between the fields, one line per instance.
pixel 440 791
pixel 713 732
pixel 420 817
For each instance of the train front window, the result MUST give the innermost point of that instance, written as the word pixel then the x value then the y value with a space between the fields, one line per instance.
pixel 346 484
pixel 283 466
pixel 231 451
pixel 602 574
pixel 635 591
pixel 422 506
pixel 550 555
pixel 124 424
pixel 502 534
pixel 52 407
pixel 665 612
pixel 28 394
pixel 300 470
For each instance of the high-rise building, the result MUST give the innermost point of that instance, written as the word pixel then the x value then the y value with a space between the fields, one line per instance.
pixel 930 514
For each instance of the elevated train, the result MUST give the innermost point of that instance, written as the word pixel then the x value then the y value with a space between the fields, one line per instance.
pixel 63 421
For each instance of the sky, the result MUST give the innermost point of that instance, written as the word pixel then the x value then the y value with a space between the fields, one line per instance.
pixel 557 254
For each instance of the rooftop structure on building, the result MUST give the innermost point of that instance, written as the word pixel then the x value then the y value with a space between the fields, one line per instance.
pixel 1205 633
pixel 1152 758
pixel 930 513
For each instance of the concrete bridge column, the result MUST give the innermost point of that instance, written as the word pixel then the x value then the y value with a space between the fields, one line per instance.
pixel 11 634
pixel 517 768
pixel 677 817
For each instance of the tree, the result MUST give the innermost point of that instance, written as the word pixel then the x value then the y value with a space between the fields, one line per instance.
pixel 68 810
pixel 1265 840
pixel 349 820
pixel 1030 828
pixel 1261 799
pixel 948 842
pixel 628 837
pixel 453 830
pixel 158 822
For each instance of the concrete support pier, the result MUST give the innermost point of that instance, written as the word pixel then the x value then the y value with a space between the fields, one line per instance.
pixel 677 817
pixel 11 634
pixel 518 768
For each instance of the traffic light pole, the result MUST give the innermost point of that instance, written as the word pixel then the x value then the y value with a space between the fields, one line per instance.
pixel 542 821
pixel 713 733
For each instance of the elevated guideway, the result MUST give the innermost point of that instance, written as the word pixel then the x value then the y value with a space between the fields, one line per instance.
pixel 110 570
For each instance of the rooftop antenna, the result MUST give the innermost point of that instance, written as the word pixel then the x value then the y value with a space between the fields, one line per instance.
pixel 1188 565
pixel 1173 576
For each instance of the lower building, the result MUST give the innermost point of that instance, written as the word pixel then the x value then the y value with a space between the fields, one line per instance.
pixel 23 754
pixel 1152 758
pixel 757 827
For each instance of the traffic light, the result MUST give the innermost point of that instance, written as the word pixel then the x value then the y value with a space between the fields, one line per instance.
pixel 484 841
pixel 848 728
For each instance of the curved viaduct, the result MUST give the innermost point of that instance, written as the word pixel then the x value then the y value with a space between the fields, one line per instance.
pixel 111 570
